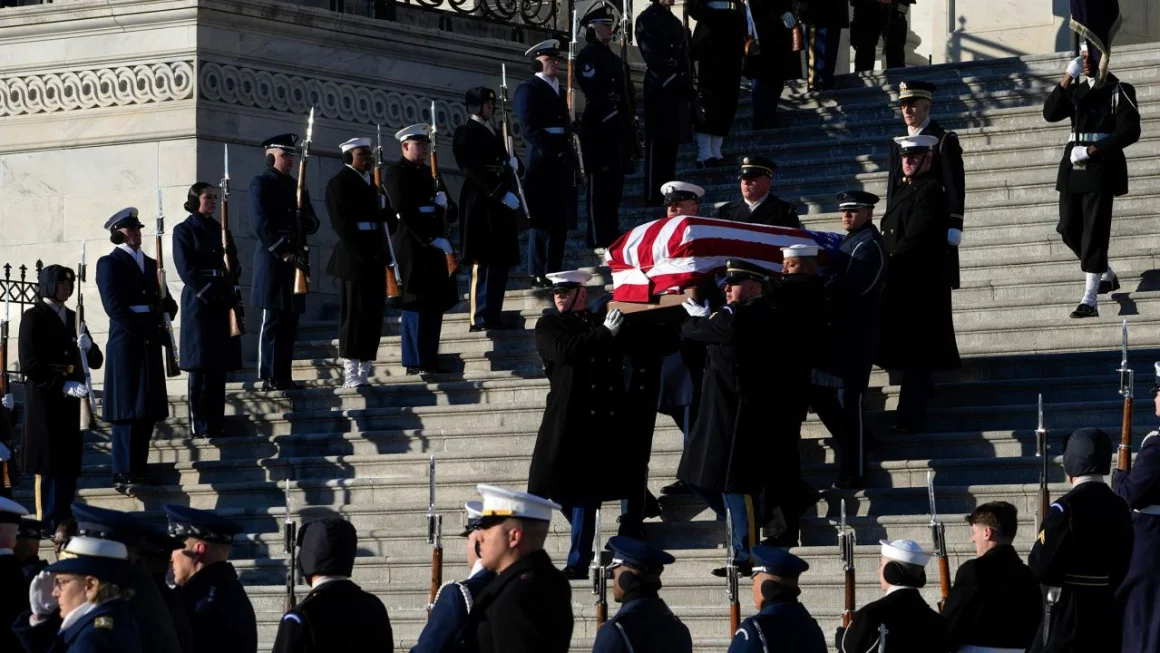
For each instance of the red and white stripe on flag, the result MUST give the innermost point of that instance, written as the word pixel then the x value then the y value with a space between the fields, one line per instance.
pixel 667 255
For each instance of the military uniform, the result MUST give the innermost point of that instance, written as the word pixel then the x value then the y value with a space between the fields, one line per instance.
pixel 13 588
pixel 995 602
pixel 644 623
pixel 50 359
pixel 718 51
pixel 1140 591
pixel 769 210
pixel 873 21
pixel 782 623
pixel 668 94
pixel 273 204
pixel 823 21
pixel 208 351
pixel 135 398
pixel 773 61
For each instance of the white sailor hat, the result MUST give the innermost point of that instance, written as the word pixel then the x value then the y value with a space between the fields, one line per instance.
pixel 10 511
pixel 419 132
pixel 353 143
pixel 799 251
pixel 907 551
pixel 550 48
pixel 676 191
pixel 919 143
pixel 568 279
pixel 501 503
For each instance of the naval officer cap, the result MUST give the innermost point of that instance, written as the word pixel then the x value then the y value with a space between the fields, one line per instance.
pixel 125 218
pixel 856 199
pixel 756 166
pixel 916 90
pixel 11 512
pixel 354 143
pixel 281 142
pixel 777 562
pixel 738 270
pixel 474 510
pixel 642 556
pixel 919 143
pixel 907 551
pixel 417 132
pixel 106 560
pixel 1088 451
pixel 500 504
pixel 186 522
pixel 51 276
pixel 677 191
pixel 107 524
pixel 600 11
pixel 568 279
pixel 799 251
pixel 549 48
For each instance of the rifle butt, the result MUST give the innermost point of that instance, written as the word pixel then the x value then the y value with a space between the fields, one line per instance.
pixel 171 368
pixel 601 613
pixel 798 38
pixel 1124 457
pixel 235 324
pixel 86 414
pixel 849 604
pixel 301 282
pixel 393 289
pixel 734 617
pixel 944 579
pixel 436 575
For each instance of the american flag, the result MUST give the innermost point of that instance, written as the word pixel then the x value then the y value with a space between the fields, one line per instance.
pixel 669 254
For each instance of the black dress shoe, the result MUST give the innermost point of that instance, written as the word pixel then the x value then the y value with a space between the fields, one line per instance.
pixel 1109 286
pixel 540 281
pixel 200 435
pixel 476 328
pixel 786 540
pixel 121 481
pixel 142 479
pixel 652 507
pixel 676 488
pixel 849 483
pixel 575 573
pixel 744 568
pixel 412 371
pixel 268 385
pixel 1084 310
pixel 701 164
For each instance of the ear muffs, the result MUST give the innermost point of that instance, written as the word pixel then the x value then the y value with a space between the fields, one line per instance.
pixel 116 237
pixel 348 157
pixel 269 160
pixel 769 590
pixel 896 573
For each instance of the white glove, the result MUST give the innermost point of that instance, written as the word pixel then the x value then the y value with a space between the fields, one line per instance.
pixel 443 244
pixel 1079 154
pixel 613 321
pixel 694 309
pixel 8 401
pixel 787 19
pixel 514 162
pixel 5 452
pixel 85 342
pixel 441 199
pixel 1075 67
pixel 511 201
pixel 954 237
pixel 75 389
pixel 40 598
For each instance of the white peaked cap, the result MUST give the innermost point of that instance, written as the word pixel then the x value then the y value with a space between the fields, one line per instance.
pixel 355 142
pixel 919 141
pixel 474 509
pixel 97 548
pixel 502 502
pixel 682 187
pixel 907 551
pixel 418 130
pixel 570 276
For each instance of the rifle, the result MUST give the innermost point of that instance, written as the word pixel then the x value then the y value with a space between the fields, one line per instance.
pixel 1049 601
pixel 1128 392
pixel 752 41
pixel 731 576
pixel 508 142
pixel 7 474
pixel 452 260
pixel 394 291
pixel 237 311
pixel 1041 451
pixel 170 344
pixel 635 138
pixel 882 638
pixel 88 401
pixel 846 548
pixel 939 534
pixel 301 254
pixel 576 148
pixel 290 548
pixel 434 537
pixel 599 571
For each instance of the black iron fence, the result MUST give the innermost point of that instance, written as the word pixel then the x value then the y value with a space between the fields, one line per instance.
pixel 21 290
pixel 546 15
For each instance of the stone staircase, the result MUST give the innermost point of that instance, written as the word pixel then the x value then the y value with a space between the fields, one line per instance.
pixel 363 453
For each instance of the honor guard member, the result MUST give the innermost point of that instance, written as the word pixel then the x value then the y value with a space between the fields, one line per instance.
pixel 489 234
pixel 823 22
pixel 208 351
pixel 54 384
pixel 218 608
pixel 541 105
pixel 853 293
pixel 915 99
pixel 586 381
pixel 7 444
pixel 1093 171
pixel 718 51
pixel 912 626
pixel 994 605
pixel 527 608
pixel 1140 591
pixel 154 549
pixel 757 204
pixel 726 460
pixel 453 601
pixel 681 198
pixel 668 93
pixel 13 587
pixel 917 338
pixel 135 397
pixel 273 199
pixel 359 260
pixel 421 245
pixel 337 616
pixel 875 20
pixel 769 64
pixel 782 623
pixel 606 126
pixel 644 623
pixel 80 603
pixel 155 626
pixel 1082 553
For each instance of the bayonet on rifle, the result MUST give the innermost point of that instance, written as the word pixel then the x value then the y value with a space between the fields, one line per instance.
pixel 579 151
pixel 394 279
pixel 301 255
pixel 731 576
pixel 1044 498
pixel 1128 392
pixel 290 548
pixel 237 317
pixel 846 547
pixel 509 142
pixel 170 344
pixel 939 536
pixel 89 400
pixel 599 573
pixel 434 537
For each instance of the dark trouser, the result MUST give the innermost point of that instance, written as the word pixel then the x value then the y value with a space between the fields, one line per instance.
pixel 582 517
pixel 915 391
pixel 131 446
pixel 276 344
pixel 872 22
pixel 605 189
pixel 766 95
pixel 719 85
pixel 421 331
pixel 1085 222
pixel 360 321
pixel 742 515
pixel 823 56
pixel 783 482
pixel 546 248
pixel 488 283
pixel 54 496
pixel 843 412
pixel 207 401
pixel 660 165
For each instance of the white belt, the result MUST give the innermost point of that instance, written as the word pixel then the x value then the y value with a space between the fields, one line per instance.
pixel 559 131
pixel 1150 510
pixel 721 4
pixel 970 648
pixel 430 208
pixel 141 308
pixel 368 226
pixel 1086 137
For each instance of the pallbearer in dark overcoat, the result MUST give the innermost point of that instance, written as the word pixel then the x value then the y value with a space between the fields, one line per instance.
pixel 668 94
pixel 769 64
pixel 718 51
